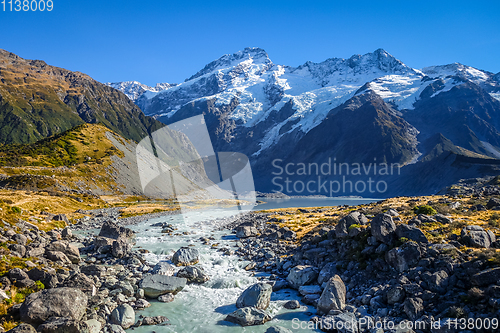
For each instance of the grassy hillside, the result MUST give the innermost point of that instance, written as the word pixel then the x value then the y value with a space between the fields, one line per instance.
pixel 38 100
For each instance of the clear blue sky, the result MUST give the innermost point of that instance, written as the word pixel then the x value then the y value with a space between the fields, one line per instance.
pixel 168 41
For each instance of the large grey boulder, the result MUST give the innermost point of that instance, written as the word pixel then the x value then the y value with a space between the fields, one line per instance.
pixel 246 231
pixel 186 256
pixel 342 228
pixel 156 285
pixel 333 296
pixel 301 275
pixel 248 317
pixel 164 268
pixel 22 328
pixel 437 281
pixel 492 203
pixel 257 296
pixel 121 248
pixel 487 277
pixel 65 247
pixel 395 295
pixel 414 308
pixel 411 233
pixel 383 228
pixel 193 274
pixel 63 325
pixel 404 257
pixel 94 325
pixel 82 282
pixel 475 236
pixel 58 302
pixel 112 230
pixel 123 315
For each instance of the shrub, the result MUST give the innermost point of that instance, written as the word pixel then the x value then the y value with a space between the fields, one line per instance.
pixel 424 209
pixel 16 210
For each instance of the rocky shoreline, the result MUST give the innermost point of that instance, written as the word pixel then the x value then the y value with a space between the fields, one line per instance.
pixel 372 268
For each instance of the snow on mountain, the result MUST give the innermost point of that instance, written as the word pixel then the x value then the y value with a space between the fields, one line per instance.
pixel 134 89
pixel 261 87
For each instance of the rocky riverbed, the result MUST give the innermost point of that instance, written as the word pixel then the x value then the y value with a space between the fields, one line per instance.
pixel 367 264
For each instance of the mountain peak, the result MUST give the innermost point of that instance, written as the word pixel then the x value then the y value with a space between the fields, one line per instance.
pixel 255 54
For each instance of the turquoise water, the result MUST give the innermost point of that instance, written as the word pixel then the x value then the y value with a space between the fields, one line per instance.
pixel 202 308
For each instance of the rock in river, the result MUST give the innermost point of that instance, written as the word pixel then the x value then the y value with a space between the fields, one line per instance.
pixel 156 285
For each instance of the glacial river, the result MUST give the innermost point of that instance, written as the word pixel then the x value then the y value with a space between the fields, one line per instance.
pixel 202 308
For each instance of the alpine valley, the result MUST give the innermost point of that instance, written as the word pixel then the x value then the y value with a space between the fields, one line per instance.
pixel 440 124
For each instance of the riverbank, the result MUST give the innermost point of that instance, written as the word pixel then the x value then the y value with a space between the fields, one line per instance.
pixel 420 259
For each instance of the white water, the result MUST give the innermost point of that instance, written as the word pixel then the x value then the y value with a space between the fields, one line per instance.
pixel 202 308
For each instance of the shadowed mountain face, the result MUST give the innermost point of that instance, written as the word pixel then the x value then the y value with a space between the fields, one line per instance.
pixel 38 100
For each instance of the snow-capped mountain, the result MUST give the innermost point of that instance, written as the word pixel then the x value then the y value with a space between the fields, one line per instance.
pixel 267 110
pixel 134 89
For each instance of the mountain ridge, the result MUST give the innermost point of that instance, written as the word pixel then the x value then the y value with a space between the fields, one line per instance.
pixel 267 111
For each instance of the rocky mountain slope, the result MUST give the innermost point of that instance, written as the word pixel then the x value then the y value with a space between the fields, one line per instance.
pixel 38 100
pixel 369 108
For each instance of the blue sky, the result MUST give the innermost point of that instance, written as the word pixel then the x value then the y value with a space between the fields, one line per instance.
pixel 168 41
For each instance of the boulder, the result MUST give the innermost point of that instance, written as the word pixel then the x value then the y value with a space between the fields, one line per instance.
pixel 112 230
pixel 383 228
pixel 22 328
pixel 193 274
pixel 278 329
pixel 487 277
pixel 186 256
pixel 156 285
pixel 82 282
pixel 475 236
pixel 49 280
pixel 164 268
pixel 167 298
pixel 333 296
pixel 301 275
pixel 58 257
pixel 142 304
pixel 17 274
pixel 120 248
pixel 395 295
pixel 413 307
pixel 63 325
pixel 404 257
pixel 248 316
pixel 65 247
pixel 123 315
pixel 411 233
pixel 156 320
pixel 246 231
pixel 257 296
pixel 20 239
pixel 291 305
pixel 93 325
pixel 327 272
pixel 443 219
pixel 437 281
pixel 61 217
pixel 492 203
pixel 66 233
pixel 342 228
pixel 19 249
pixel 58 302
